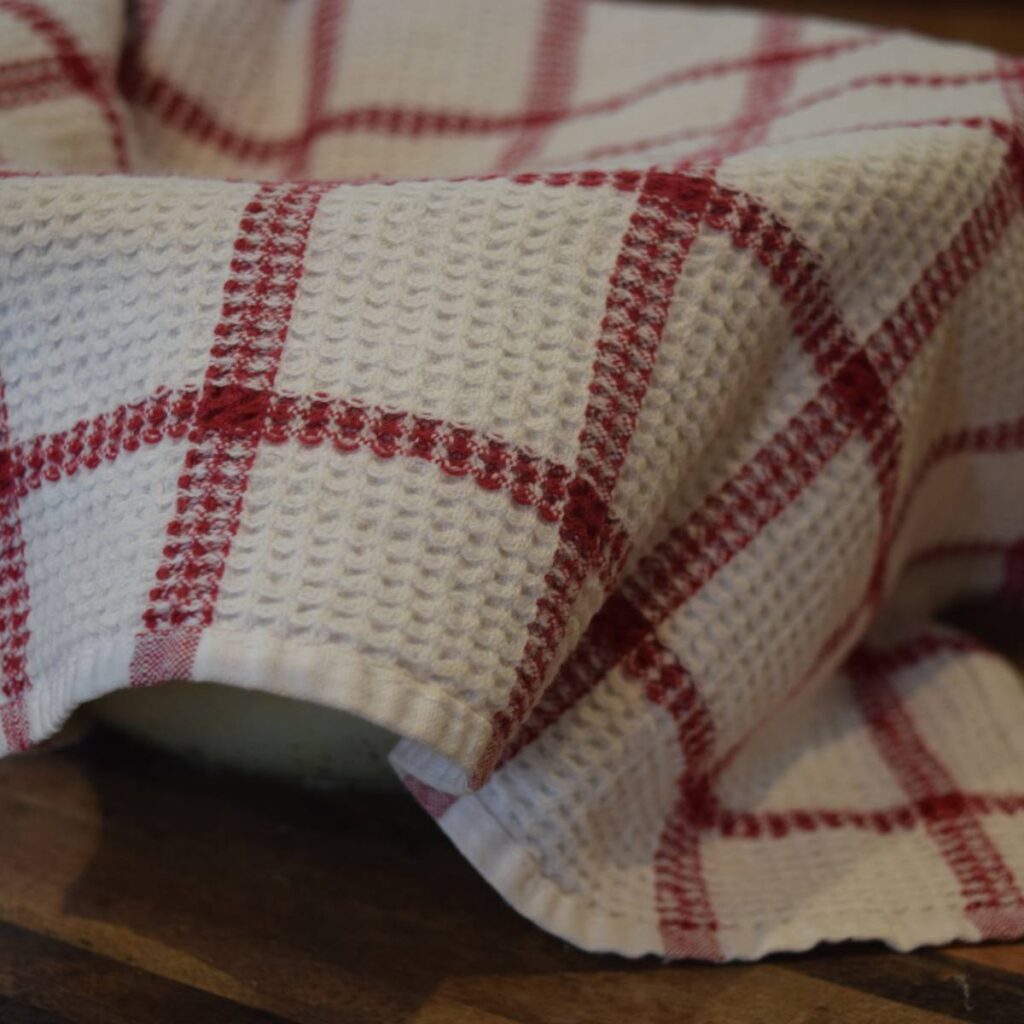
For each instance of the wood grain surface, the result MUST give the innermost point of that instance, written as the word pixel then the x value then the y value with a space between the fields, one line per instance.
pixel 134 887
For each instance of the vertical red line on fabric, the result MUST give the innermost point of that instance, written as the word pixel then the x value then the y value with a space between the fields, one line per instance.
pixel 993 900
pixel 653 251
pixel 229 422
pixel 768 84
pixel 554 74
pixel 689 556
pixel 14 597
pixel 324 44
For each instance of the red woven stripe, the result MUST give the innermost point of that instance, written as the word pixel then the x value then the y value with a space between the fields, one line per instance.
pixel 992 125
pixel 767 87
pixel 1011 70
pixel 990 438
pixel 933 809
pixel 686 914
pixel 14 598
pixel 762 118
pixel 228 424
pixel 25 82
pixel 894 346
pixel 433 801
pixel 621 181
pixel 1013 584
pixel 1006 436
pixel 553 78
pixel 50 457
pixel 993 900
pixel 651 257
pixel 81 71
pixel 613 632
pixel 324 45
pixel 169 101
pixel 958 549
pixel 488 460
pixel 730 518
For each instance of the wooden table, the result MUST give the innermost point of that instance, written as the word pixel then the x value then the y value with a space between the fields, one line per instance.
pixel 136 888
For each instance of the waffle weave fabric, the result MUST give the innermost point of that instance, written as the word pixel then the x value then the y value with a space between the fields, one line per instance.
pixel 602 397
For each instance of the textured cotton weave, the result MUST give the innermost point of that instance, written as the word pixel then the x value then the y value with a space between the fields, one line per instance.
pixel 602 397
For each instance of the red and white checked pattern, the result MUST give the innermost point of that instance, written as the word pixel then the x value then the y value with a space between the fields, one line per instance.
pixel 621 485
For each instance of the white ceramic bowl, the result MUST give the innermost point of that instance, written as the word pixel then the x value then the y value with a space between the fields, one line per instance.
pixel 254 732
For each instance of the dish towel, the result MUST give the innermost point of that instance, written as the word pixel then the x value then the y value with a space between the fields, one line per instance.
pixel 602 397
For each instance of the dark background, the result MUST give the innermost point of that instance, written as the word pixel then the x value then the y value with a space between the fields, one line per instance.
pixel 995 23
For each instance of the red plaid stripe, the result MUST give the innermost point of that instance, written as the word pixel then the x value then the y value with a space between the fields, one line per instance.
pixel 886 820
pixel 993 899
pixel 760 121
pixel 728 520
pixel 24 82
pixel 14 598
pixel 171 102
pixel 230 419
pixel 324 45
pixel 853 398
pixel 686 914
pixel 81 71
pixel 651 257
pixel 767 86
pixel 1007 436
pixel 491 462
pixel 553 78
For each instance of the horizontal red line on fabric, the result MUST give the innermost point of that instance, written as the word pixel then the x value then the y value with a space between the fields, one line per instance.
pixel 737 824
pixel 695 551
pixel 490 461
pixel 20 77
pixel 189 115
pixel 772 115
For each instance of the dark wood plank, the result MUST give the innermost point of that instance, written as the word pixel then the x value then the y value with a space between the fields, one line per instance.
pixel 45 981
pixel 1002 956
pixel 315 909
pixel 736 994
pixel 957 991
